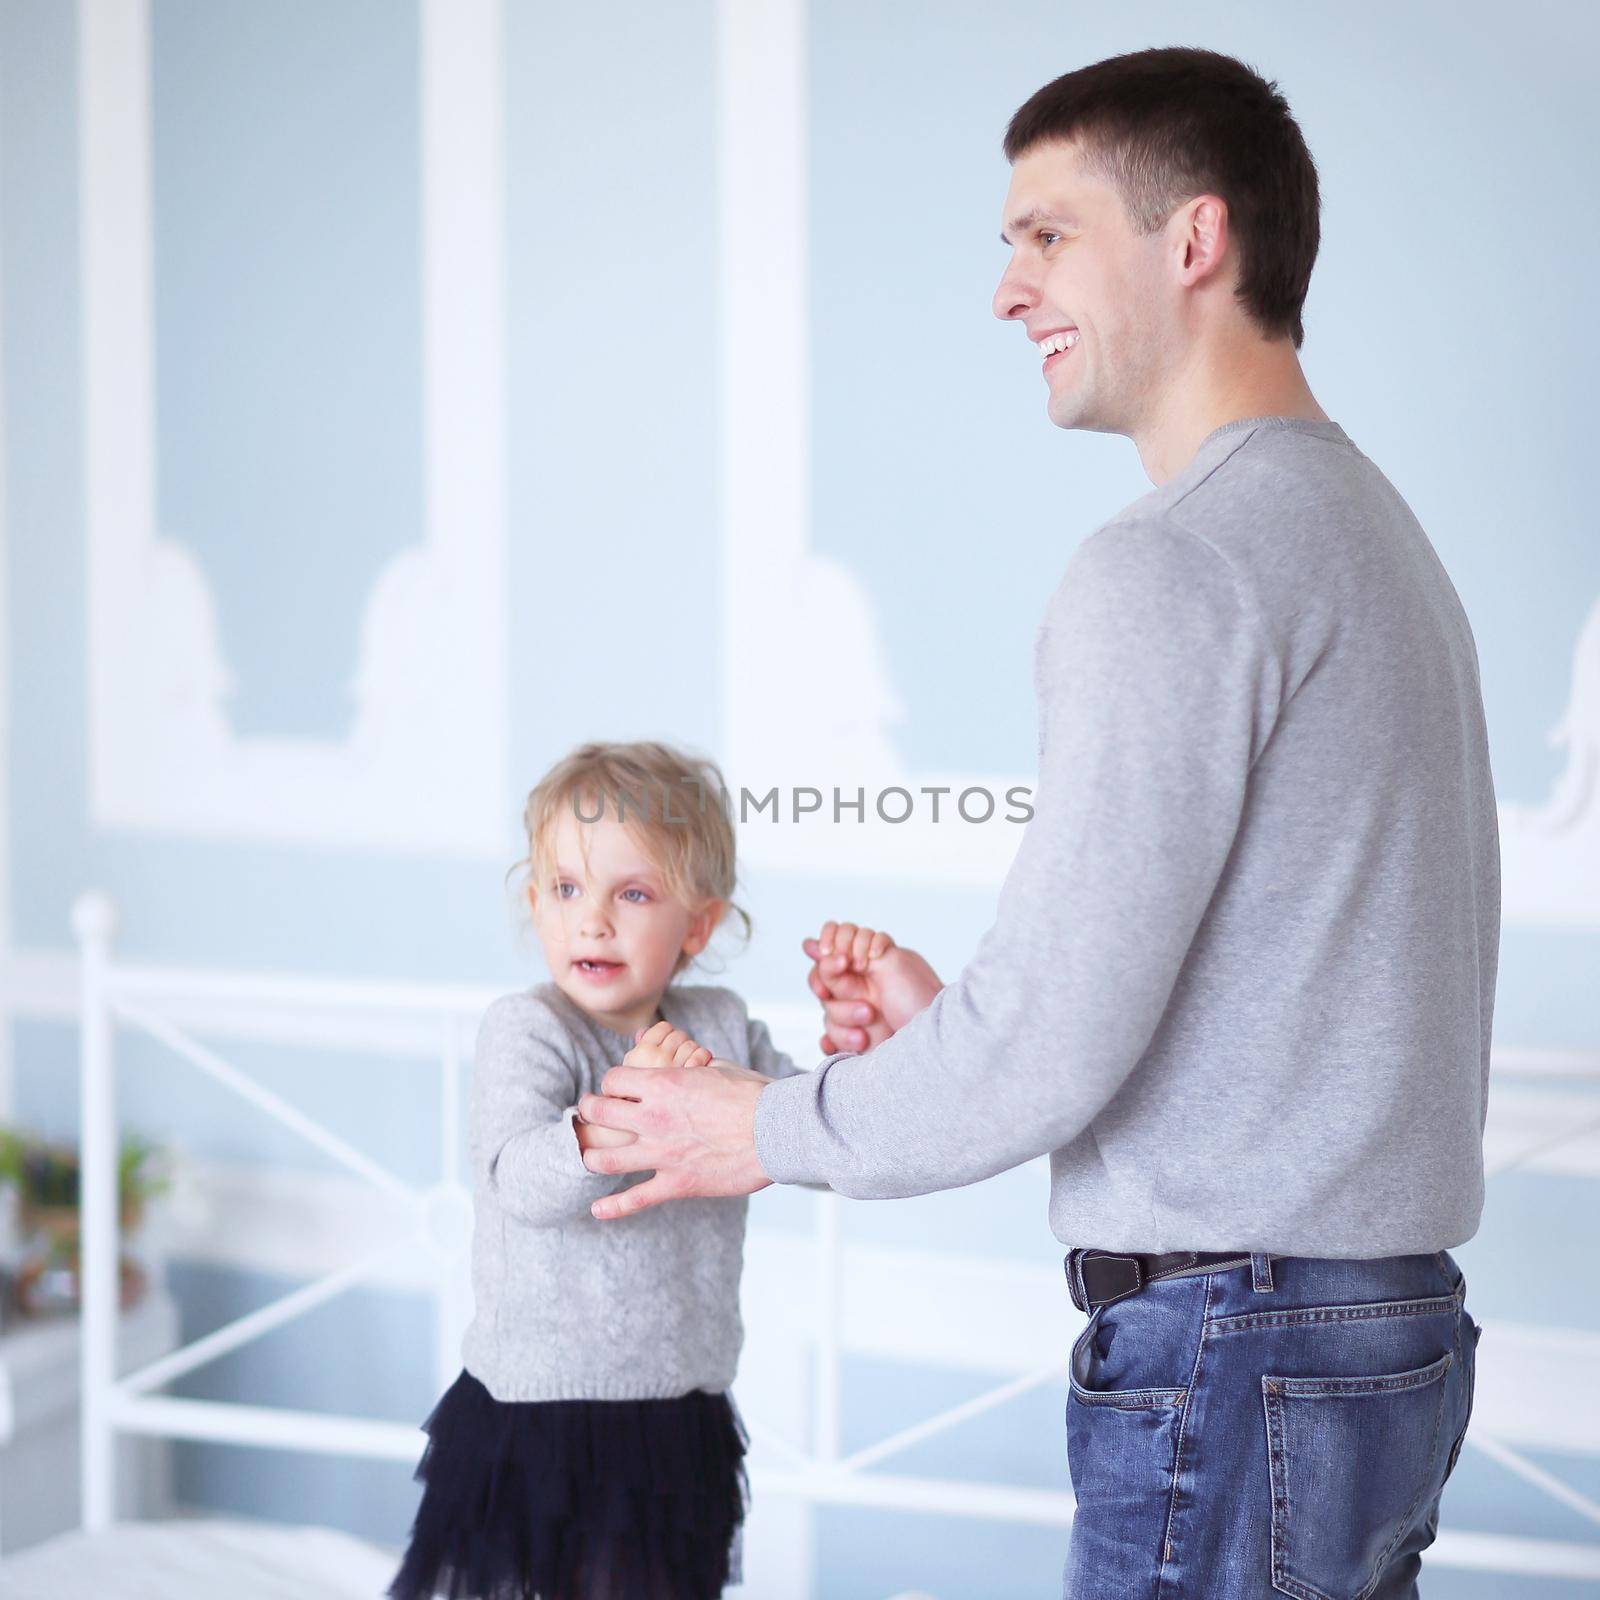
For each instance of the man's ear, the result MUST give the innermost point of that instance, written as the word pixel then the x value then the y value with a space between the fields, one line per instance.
pixel 1204 237
pixel 702 926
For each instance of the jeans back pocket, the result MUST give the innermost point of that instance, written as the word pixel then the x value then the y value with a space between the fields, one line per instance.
pixel 1350 1461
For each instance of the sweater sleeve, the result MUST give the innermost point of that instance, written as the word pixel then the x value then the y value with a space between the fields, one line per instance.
pixel 1157 686
pixel 524 1099
pixel 765 1057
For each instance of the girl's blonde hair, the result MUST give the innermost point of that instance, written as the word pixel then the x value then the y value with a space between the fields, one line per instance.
pixel 673 804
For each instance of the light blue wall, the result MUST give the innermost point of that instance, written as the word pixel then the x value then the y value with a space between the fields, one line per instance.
pixel 1447 330
pixel 299 429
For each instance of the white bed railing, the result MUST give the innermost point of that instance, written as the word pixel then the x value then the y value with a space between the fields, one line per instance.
pixel 147 998
pixel 133 995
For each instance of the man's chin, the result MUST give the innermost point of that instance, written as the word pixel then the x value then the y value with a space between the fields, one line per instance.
pixel 1076 415
pixel 1067 410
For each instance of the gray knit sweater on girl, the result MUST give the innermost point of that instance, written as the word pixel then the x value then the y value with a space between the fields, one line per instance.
pixel 567 1307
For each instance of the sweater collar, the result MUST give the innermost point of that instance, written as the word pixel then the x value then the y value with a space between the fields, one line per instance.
pixel 609 1036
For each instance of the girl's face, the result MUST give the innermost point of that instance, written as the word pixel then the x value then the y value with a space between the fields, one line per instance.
pixel 610 929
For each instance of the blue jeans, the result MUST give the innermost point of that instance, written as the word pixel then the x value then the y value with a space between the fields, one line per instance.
pixel 1283 1427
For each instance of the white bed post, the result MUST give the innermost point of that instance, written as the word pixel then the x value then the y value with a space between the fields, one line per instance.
pixel 93 918
pixel 449 1318
pixel 830 1328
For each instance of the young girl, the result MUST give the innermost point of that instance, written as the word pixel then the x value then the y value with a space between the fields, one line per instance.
pixel 589 1450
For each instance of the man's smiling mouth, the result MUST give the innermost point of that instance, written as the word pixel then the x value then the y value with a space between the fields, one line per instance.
pixel 1057 347
pixel 1051 343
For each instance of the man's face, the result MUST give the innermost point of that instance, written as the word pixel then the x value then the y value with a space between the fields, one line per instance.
pixel 1076 264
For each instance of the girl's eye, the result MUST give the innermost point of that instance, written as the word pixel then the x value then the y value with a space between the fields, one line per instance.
pixel 563 886
pixel 643 897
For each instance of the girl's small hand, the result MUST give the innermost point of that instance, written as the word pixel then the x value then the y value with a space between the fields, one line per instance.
pixel 869 986
pixel 591 1136
pixel 844 947
pixel 665 1046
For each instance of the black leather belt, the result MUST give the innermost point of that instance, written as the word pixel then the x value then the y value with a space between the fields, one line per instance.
pixel 1099 1277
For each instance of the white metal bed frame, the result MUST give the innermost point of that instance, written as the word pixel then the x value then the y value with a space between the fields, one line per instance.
pixel 135 995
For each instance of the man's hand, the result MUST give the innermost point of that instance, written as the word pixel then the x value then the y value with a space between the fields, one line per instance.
pixel 869 986
pixel 661 1046
pixel 694 1126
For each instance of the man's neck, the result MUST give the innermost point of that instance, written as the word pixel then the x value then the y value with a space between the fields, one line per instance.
pixel 1255 379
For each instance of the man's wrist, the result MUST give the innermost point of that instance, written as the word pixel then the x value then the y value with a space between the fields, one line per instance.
pixel 776 1131
pixel 755 1155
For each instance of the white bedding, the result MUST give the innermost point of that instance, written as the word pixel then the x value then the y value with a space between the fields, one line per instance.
pixel 200 1559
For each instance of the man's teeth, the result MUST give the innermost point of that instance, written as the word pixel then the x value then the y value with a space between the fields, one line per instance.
pixel 1057 342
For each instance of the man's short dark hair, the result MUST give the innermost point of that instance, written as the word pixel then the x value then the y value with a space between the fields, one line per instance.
pixel 1162 126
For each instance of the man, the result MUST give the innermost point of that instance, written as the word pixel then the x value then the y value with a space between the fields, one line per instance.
pixel 1241 975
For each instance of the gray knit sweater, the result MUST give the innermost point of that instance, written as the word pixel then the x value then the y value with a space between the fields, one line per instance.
pixel 1240 981
pixel 567 1307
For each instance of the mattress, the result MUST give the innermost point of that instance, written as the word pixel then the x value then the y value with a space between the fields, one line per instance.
pixel 200 1559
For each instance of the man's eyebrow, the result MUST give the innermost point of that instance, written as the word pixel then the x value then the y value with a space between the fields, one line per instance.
pixel 1028 219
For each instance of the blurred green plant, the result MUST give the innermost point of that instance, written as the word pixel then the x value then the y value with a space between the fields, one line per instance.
pixel 46 1173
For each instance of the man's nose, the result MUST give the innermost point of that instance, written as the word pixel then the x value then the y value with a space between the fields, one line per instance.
pixel 1014 298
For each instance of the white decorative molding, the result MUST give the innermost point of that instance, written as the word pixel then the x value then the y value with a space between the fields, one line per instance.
pixel 1550 853
pixel 809 699
pixel 423 769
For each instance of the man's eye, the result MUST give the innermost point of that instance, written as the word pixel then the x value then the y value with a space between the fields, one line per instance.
pixel 1044 234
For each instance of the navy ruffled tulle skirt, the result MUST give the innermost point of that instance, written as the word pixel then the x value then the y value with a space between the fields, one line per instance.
pixel 577 1499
